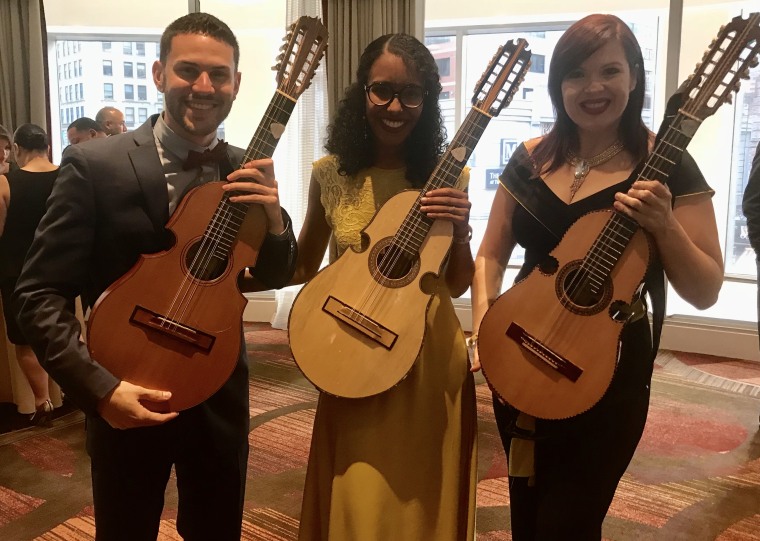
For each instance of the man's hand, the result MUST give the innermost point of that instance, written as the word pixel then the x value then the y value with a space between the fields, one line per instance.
pixel 255 183
pixel 124 407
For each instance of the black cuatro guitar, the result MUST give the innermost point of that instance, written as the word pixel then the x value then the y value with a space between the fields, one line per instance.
pixel 357 327
pixel 173 321
pixel 549 345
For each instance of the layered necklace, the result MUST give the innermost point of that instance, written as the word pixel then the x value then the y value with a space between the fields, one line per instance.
pixel 583 166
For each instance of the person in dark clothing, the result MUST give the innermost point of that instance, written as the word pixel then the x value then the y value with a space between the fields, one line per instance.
pixel 563 473
pixel 23 193
pixel 110 204
pixel 751 209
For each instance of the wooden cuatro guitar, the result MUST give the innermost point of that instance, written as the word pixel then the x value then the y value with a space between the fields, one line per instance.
pixel 549 345
pixel 357 327
pixel 173 321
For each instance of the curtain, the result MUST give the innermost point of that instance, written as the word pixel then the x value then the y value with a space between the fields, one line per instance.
pixel 353 24
pixel 302 143
pixel 24 89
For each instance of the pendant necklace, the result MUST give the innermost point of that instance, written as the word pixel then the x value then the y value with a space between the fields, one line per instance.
pixel 583 166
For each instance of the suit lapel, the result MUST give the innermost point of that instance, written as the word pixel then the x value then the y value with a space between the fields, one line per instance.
pixel 150 174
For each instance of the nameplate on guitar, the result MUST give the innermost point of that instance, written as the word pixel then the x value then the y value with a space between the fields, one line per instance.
pixel 360 322
pixel 148 319
pixel 551 358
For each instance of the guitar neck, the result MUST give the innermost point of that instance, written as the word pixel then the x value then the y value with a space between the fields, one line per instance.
pixel 615 236
pixel 416 225
pixel 228 218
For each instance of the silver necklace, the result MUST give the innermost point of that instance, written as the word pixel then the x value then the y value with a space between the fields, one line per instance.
pixel 583 166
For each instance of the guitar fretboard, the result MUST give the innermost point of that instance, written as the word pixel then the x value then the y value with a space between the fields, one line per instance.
pixel 416 225
pixel 228 218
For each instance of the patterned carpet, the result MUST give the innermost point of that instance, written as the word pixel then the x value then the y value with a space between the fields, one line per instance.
pixel 695 476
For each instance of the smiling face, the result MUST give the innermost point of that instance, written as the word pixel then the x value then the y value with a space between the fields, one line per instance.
pixel 199 82
pixel 596 93
pixel 391 124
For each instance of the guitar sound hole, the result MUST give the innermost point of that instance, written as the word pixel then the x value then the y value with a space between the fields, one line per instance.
pixel 203 263
pixel 582 292
pixel 580 288
pixel 394 263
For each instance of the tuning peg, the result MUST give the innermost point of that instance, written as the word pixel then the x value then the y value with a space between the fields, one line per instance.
pixel 744 73
pixel 754 62
pixel 283 47
pixel 280 57
pixel 730 98
pixel 699 65
pixel 276 67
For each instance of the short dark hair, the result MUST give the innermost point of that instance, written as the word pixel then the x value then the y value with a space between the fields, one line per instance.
pixel 579 42
pixel 198 23
pixel 85 123
pixel 349 136
pixel 31 137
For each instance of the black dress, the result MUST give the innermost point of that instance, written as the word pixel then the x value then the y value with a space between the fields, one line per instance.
pixel 579 461
pixel 29 192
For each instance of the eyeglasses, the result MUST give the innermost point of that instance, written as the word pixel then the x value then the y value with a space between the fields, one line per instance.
pixel 382 94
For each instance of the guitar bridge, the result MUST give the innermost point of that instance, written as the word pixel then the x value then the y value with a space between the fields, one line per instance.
pixel 368 327
pixel 551 358
pixel 148 319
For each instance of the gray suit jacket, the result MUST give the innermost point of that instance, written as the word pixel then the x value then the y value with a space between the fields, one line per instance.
pixel 108 206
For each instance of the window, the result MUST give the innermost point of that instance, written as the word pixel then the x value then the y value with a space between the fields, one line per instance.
pixel 142 114
pixel 140 70
pixel 537 62
pixel 129 92
pixel 107 68
pixel 108 91
pixel 106 46
pixel 129 116
pixel 444 66
pixel 127 48
pixel 142 92
pixel 140 47
pixel 128 69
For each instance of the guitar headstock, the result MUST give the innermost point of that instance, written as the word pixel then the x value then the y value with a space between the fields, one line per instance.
pixel 502 77
pixel 728 60
pixel 302 50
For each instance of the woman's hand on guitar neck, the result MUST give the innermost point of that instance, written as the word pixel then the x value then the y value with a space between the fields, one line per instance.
pixel 255 183
pixel 649 202
pixel 449 204
pixel 124 407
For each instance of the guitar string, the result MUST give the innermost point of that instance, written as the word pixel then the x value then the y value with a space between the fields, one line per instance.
pixel 726 60
pixel 402 239
pixel 214 234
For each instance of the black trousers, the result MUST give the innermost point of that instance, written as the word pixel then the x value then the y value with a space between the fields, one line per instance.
pixel 130 470
pixel 579 461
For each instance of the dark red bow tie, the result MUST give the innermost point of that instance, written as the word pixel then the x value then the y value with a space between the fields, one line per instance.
pixel 215 155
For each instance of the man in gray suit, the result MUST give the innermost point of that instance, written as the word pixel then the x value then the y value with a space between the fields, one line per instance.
pixel 110 204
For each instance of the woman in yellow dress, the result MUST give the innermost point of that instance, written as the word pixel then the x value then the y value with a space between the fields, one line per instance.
pixel 399 465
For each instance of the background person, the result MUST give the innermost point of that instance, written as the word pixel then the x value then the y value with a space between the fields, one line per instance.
pixel 565 480
pixel 111 120
pixel 83 129
pixel 23 193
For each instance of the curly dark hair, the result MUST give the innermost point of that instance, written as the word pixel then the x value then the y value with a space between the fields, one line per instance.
pixel 351 140
pixel 579 42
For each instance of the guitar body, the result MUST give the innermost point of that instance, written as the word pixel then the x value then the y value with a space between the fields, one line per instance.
pixel 164 327
pixel 548 355
pixel 356 332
